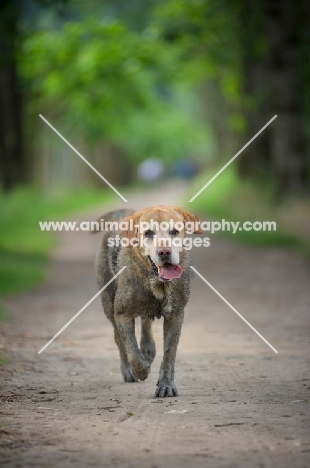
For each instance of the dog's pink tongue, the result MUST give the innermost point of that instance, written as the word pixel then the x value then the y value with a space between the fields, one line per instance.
pixel 169 271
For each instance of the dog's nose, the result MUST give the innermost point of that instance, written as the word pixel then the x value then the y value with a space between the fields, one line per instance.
pixel 164 252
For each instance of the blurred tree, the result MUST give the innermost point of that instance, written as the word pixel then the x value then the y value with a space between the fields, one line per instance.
pixel 114 71
pixel 286 25
pixel 273 39
pixel 256 54
pixel 205 36
pixel 108 83
pixel 12 165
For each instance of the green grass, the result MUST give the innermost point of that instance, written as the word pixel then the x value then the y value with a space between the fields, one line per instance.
pixel 20 271
pixel 231 199
pixel 3 360
pixel 24 249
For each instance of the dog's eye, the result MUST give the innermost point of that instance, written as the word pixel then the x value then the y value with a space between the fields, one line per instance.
pixel 149 233
pixel 174 232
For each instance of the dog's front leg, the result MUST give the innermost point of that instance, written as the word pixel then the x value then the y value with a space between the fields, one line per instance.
pixel 172 332
pixel 126 329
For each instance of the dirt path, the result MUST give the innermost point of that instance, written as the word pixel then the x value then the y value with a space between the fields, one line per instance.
pixel 245 406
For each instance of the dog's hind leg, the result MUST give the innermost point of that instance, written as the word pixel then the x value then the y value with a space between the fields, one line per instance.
pixel 126 327
pixel 147 343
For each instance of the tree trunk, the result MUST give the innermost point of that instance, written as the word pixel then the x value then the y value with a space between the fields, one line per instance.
pixel 272 32
pixel 216 112
pixel 254 162
pixel 288 137
pixel 12 170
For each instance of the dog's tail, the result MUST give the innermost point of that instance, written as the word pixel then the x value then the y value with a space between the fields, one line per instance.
pixel 110 217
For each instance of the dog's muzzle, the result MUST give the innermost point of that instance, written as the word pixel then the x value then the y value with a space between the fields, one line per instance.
pixel 167 271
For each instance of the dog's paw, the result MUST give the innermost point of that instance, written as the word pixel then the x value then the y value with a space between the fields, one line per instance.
pixel 128 375
pixel 140 368
pixel 166 388
pixel 148 350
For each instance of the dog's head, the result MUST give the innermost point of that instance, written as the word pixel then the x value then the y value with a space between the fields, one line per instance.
pixel 159 234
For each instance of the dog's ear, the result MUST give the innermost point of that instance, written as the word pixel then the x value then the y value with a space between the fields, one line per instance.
pixel 189 217
pixel 131 228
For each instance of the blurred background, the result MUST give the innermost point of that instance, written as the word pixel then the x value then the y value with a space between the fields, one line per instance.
pixel 151 92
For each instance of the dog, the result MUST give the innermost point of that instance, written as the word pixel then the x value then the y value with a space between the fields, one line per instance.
pixel 156 283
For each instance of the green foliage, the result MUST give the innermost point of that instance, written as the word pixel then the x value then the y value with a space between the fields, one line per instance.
pixel 108 83
pixel 208 40
pixel 163 135
pixel 23 247
pixel 205 34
